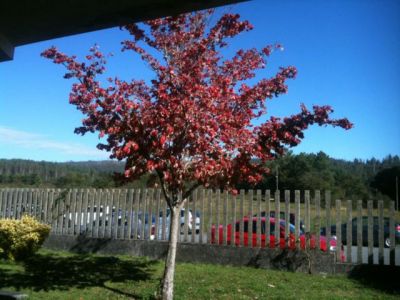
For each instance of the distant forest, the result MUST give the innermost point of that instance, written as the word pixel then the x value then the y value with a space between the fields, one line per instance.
pixel 357 179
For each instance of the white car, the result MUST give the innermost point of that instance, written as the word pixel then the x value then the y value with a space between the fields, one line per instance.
pixel 182 219
pixel 108 214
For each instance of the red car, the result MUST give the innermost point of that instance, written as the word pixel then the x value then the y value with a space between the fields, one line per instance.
pixel 290 242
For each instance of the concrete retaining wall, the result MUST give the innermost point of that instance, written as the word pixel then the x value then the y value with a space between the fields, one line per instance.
pixel 299 261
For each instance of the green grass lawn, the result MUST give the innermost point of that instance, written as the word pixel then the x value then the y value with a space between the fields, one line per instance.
pixel 62 275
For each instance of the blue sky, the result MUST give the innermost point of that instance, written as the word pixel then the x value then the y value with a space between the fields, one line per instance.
pixel 347 54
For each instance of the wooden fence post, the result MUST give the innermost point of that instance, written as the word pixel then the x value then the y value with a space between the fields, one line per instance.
pixel 203 215
pixel 370 233
pixel 128 213
pixel 62 211
pixel 297 218
pixel 96 215
pixel 287 218
pixel 307 218
pixel 69 220
pixel 349 238
pixel 7 203
pixel 38 204
pixel 136 230
pixel 392 233
pixel 84 211
pixel 44 205
pixel 338 230
pixel 328 215
pixel 241 226
pixel 380 235
pixel 1 202
pixel 102 212
pixel 78 213
pixel 53 210
pixel 194 208
pixel 4 207
pixel 78 223
pixel 210 220
pixel 225 220
pixel 359 231
pixel 13 210
pixel 317 225
pixel 217 213
pixel 140 211
pixel 157 215
pixel 91 203
pixel 186 220
pixel 13 204
pixel 277 233
pixel 49 205
pixel 30 202
pixel 250 196
pixel 65 212
pixel 233 221
pixel 267 218
pixel 259 220
pixel 115 214
pixel 18 205
pixel 24 202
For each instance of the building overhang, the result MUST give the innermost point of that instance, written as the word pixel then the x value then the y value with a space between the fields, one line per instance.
pixel 24 22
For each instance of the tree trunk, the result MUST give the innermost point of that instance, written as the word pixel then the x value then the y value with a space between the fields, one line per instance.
pixel 168 279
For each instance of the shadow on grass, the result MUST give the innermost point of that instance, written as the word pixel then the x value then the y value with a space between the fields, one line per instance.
pixel 53 272
pixel 383 278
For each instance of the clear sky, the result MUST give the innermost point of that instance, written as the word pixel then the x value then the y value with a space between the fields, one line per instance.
pixel 347 54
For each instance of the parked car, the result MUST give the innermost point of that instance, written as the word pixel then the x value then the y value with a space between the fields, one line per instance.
pixel 375 231
pixel 96 214
pixel 292 217
pixel 197 221
pixel 110 217
pixel 143 219
pixel 290 241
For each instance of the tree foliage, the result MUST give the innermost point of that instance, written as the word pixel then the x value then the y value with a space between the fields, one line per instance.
pixel 193 124
pixel 385 181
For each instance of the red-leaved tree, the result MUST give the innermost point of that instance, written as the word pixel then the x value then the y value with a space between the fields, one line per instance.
pixel 193 125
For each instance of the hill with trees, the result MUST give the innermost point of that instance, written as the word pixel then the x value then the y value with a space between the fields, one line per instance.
pixel 346 179
pixel 357 179
pixel 29 173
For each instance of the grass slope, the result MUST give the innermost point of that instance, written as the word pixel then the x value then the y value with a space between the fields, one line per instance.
pixel 62 275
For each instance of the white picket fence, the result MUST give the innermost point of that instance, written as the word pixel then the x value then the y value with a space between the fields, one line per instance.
pixel 217 217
